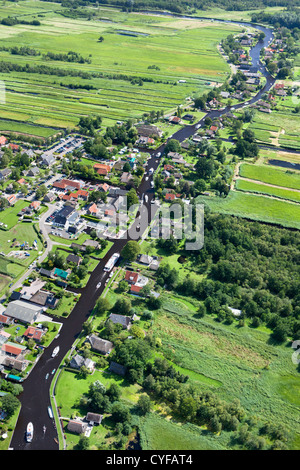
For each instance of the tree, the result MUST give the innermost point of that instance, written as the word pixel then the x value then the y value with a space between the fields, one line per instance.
pixel 131 250
pixel 120 413
pixel 102 306
pixel 83 443
pixel 9 404
pixel 122 306
pixel 132 198
pixel 172 146
pixel 144 404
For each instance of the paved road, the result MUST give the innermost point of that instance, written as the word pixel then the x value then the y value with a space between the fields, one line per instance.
pixel 35 398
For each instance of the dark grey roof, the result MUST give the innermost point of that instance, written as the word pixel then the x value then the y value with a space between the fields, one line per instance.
pixel 121 319
pixel 45 272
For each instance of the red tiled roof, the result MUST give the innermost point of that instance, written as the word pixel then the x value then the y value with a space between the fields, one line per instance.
pixel 135 288
pixel 15 350
pixel 102 171
pixel 131 276
pixel 4 319
pixel 34 333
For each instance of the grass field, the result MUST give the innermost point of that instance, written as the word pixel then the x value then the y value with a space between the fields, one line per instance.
pixel 249 186
pixel 243 360
pixel 271 175
pixel 39 104
pixel 157 433
pixel 255 207
pixel 277 128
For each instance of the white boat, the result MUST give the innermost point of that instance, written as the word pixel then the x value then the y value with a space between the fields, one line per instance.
pixel 29 432
pixel 55 352
pixel 50 412
pixel 98 285
pixel 111 262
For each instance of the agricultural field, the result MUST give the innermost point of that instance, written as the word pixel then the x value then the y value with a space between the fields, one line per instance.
pixel 278 128
pixel 41 103
pixel 255 207
pixel 271 175
pixel 249 186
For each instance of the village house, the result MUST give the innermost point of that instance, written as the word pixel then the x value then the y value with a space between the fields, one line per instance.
pixel 77 426
pixel 11 199
pixel 5 173
pixel 147 130
pixel 100 345
pixel 94 418
pixel 75 259
pixel 175 120
pixel 3 140
pixel 34 333
pixel 117 368
pixel 78 361
pixel 102 169
pixel 120 320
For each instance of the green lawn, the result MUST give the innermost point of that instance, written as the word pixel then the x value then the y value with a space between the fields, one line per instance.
pixel 9 216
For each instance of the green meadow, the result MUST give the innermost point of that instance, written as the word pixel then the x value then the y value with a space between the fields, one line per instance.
pixel 40 104
pixel 242 361
pixel 271 175
pixel 255 207
pixel 249 186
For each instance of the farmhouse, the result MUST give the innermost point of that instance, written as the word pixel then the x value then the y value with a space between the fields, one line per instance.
pixel 94 418
pixel 146 130
pixel 100 345
pixel 77 426
pixel 78 361
pixel 120 320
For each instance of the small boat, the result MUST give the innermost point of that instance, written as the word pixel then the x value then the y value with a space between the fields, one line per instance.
pixel 98 285
pixel 47 375
pixel 50 412
pixel 44 429
pixel 55 352
pixel 29 432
